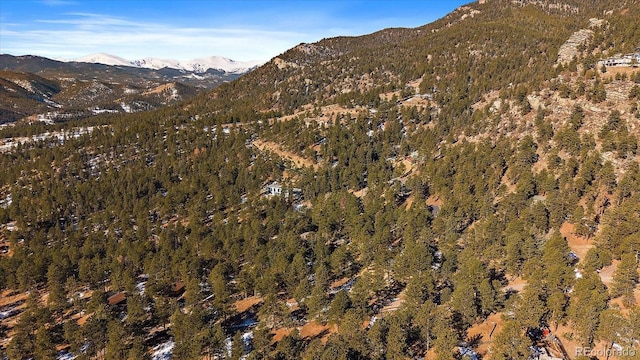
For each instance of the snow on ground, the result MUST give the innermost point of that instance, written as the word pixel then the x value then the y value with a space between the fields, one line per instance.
pixel 140 287
pixel 6 314
pixel 102 111
pixel 163 351
pixel 7 144
pixel 52 103
pixel 247 337
pixel 247 323
pixel 125 107
pixel 65 355
pixel 6 202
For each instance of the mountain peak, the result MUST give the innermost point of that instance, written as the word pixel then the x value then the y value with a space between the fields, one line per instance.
pixel 199 65
pixel 105 59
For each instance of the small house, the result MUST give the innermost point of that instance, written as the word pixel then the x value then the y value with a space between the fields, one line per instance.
pixel 274 189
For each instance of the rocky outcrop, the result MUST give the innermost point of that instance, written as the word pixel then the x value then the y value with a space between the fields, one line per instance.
pixel 570 48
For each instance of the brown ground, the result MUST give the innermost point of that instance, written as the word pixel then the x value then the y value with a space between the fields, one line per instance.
pixel 9 297
pixel 564 333
pixel 409 202
pixel 360 193
pixel 313 329
pixel 617 302
pixel 159 89
pixel 332 330
pixel 327 113
pixel 612 71
pixel 298 160
pixel 416 101
pixel 246 304
pixel 484 330
pixel 431 355
pixel 339 283
pixel 579 245
pixel 606 273
pixel 309 331
pixel 394 305
pixel 434 200
pixel 83 320
pixel 278 334
pixel 516 284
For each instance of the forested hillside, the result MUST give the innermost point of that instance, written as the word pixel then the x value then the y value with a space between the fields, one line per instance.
pixel 466 189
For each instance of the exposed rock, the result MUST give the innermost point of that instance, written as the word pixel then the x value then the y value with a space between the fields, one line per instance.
pixel 282 64
pixel 569 49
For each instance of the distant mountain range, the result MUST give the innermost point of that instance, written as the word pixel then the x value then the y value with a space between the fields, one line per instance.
pixel 198 66
pixel 38 88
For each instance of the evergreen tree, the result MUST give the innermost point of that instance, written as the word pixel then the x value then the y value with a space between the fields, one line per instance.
pixel 116 344
pixel 511 343
pixel 588 300
pixel 626 278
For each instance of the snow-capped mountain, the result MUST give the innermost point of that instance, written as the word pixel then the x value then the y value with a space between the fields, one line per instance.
pixel 199 65
pixel 105 59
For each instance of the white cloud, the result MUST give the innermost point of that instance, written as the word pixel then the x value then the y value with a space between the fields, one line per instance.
pixel 80 34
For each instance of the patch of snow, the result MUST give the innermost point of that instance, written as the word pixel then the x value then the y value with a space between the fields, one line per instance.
pixel 11 226
pixel 102 111
pixel 47 118
pixel 105 59
pixel 6 202
pixel 52 103
pixel 219 63
pixel 141 287
pixel 154 63
pixel 249 322
pixel 9 143
pixel 194 76
pixel 372 320
pixel 247 338
pixel 468 352
pixel 163 351
pixel 125 107
pixel 65 355
pixel 7 314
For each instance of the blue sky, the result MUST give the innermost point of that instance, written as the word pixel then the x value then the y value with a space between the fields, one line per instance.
pixel 187 29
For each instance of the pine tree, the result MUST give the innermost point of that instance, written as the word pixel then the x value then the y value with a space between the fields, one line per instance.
pixel 116 345
pixel 588 300
pixel 611 325
pixel 626 278
pixel 186 331
pixel 511 343
pixel 44 347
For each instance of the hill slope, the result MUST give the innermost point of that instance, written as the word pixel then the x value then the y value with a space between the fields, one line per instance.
pixel 29 97
pixel 467 188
